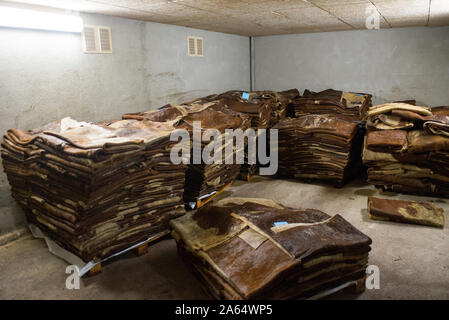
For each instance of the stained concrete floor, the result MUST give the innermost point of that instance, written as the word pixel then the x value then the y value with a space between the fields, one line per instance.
pixel 413 260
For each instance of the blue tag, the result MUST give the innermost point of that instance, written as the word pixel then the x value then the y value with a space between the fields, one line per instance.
pixel 280 223
pixel 245 95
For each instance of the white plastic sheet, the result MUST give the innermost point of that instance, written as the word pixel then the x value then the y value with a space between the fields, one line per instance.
pixel 62 253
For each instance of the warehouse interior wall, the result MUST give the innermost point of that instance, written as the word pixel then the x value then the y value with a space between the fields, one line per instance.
pixel 45 76
pixel 391 64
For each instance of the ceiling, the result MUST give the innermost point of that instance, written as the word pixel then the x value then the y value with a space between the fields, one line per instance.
pixel 266 17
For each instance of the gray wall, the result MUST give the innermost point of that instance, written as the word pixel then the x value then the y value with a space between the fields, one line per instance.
pixel 45 76
pixel 392 64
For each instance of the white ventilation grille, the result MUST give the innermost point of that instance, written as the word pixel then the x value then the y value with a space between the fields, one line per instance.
pixel 199 47
pixel 97 39
pixel 105 39
pixel 191 46
pixel 90 43
pixel 195 46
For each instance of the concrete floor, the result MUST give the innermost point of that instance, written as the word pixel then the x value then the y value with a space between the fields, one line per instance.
pixel 413 260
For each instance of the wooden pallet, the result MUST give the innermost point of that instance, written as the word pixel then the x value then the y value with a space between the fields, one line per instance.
pixel 354 288
pixel 245 177
pixel 359 287
pixel 138 251
pixel 202 202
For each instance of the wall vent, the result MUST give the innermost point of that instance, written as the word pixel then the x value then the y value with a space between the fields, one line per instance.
pixel 191 46
pixel 105 39
pixel 90 43
pixel 199 47
pixel 97 39
pixel 195 46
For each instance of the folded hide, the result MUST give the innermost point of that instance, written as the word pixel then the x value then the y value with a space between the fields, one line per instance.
pixel 258 249
pixel 346 105
pixel 397 115
pixel 389 122
pixel 438 128
pixel 424 213
pixel 407 115
pixel 387 140
pixel 389 107
pixel 421 141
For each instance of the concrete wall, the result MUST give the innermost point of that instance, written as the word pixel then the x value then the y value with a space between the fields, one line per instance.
pixel 45 76
pixel 392 64
pixel 225 64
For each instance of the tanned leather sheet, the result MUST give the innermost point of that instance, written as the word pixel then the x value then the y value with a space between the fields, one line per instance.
pixel 424 213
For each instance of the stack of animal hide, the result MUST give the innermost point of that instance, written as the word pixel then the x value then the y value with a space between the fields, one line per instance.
pixel 346 105
pixel 407 148
pixel 95 189
pixel 319 147
pixel 265 109
pixel 258 249
pixel 203 179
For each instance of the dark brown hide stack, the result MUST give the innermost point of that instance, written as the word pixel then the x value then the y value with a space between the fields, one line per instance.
pixel 319 147
pixel 202 180
pixel 258 249
pixel 95 189
pixel 407 149
pixel 346 105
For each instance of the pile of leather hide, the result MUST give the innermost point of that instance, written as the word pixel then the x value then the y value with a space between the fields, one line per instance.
pixel 407 149
pixel 265 109
pixel 95 189
pixel 347 105
pixel 202 179
pixel 319 147
pixel 243 248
